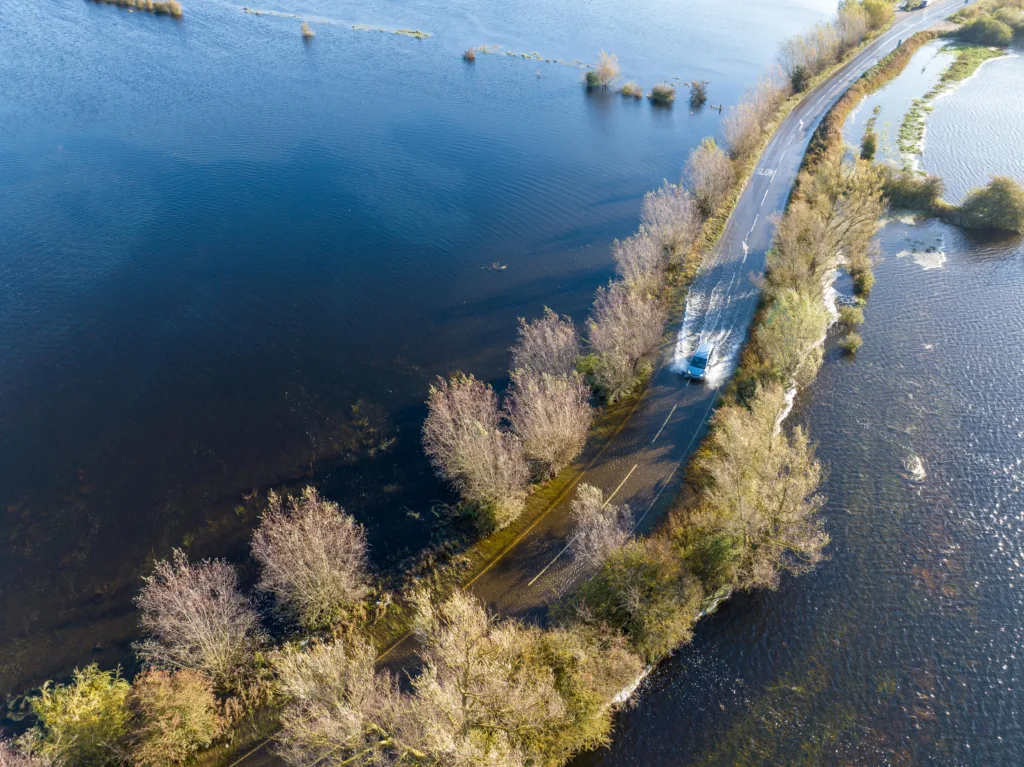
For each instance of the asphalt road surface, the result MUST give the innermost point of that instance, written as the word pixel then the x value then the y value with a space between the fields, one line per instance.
pixel 643 462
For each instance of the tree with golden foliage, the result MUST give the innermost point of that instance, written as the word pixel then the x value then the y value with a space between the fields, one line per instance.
pixel 709 175
pixel 173 716
pixel 762 491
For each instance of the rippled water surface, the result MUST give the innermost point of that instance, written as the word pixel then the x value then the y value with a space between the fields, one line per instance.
pixel 229 259
pixel 905 647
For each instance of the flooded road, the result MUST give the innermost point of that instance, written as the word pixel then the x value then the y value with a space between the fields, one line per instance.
pixel 905 647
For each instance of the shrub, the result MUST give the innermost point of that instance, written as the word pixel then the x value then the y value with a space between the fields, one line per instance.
pixel 307 31
pixel 671 216
pixel 195 618
pixel 14 755
pixel 469 55
pixel 173 716
pixel 631 89
pixel 551 415
pixel 663 94
pixel 639 261
pixel 313 558
pixel 868 145
pixel 863 281
pixel 698 93
pixel 599 527
pixel 851 342
pixel 463 438
pixel 986 31
pixel 82 724
pixel 710 176
pixel 170 7
pixel 908 189
pixel 1013 18
pixel 623 327
pixel 1000 205
pixel 604 74
pixel 645 591
pixel 851 316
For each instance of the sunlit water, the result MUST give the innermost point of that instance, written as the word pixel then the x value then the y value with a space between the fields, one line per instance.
pixel 229 259
pixel 904 648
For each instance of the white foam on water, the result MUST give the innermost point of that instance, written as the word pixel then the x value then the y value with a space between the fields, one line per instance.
pixel 707 319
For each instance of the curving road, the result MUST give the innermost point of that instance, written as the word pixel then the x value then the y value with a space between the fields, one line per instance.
pixel 644 459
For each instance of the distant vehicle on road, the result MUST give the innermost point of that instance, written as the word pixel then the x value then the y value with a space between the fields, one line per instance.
pixel 698 367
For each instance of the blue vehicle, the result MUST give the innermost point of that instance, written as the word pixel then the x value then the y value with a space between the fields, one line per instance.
pixel 698 368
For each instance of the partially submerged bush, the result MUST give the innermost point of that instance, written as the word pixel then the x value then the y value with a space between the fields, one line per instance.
pixel 469 55
pixel 307 31
pixel 851 316
pixel 908 189
pixel 600 527
pixel 313 558
pixel 987 30
pixel 851 342
pixel 698 93
pixel 465 442
pixel 194 617
pixel 167 7
pixel 663 94
pixel 551 415
pixel 999 205
pixel 632 90
pixel 82 723
pixel 710 176
pixel 173 716
pixel 605 72
pixel 868 145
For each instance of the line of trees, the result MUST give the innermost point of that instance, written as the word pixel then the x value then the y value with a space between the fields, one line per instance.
pixel 495 692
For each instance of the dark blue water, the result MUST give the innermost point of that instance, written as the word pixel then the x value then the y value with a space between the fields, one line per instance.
pixel 229 259
pixel 905 647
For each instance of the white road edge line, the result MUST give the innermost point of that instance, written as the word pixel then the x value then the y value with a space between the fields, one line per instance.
pixel 670 414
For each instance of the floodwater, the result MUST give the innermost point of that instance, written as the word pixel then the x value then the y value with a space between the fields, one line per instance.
pixel 905 647
pixel 230 259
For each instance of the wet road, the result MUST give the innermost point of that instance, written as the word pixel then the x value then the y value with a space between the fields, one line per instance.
pixel 642 465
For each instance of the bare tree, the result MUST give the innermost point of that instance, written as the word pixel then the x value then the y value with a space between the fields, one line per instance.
pixel 194 617
pixel 639 262
pixel 464 440
pixel 790 336
pixel 671 216
pixel 552 417
pixel 623 327
pixel 710 176
pixel 764 491
pixel 742 127
pixel 601 527
pixel 313 558
pixel 549 344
